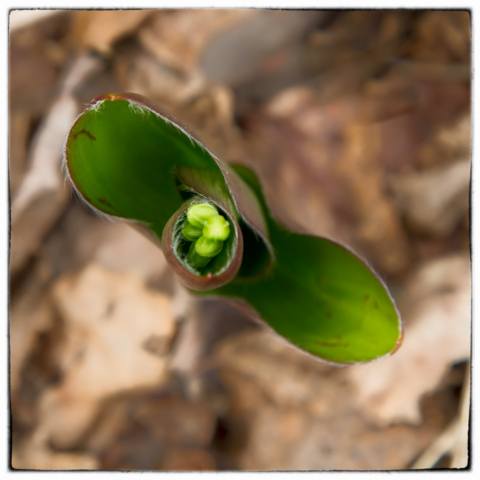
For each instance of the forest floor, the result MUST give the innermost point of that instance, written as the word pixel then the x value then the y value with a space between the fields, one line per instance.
pixel 360 125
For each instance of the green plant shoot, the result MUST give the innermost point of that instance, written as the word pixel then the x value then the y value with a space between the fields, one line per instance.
pixel 128 158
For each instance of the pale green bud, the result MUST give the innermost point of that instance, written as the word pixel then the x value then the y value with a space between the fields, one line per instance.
pixel 190 233
pixel 208 248
pixel 195 259
pixel 216 228
pixel 199 213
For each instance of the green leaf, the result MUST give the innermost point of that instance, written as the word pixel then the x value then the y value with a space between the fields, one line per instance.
pixel 320 296
pixel 129 158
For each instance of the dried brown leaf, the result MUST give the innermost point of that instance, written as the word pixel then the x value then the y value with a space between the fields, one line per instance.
pixel 99 30
pixel 35 457
pixel 31 315
pixel 108 317
pixel 434 202
pixel 177 38
pixel 450 144
pixel 42 195
pixel 292 413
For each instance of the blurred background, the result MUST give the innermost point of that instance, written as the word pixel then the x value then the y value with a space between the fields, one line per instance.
pixel 359 123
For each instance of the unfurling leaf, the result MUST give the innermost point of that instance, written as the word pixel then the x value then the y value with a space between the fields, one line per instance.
pixel 129 158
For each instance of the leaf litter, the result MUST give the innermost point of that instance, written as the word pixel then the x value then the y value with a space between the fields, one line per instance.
pixel 354 120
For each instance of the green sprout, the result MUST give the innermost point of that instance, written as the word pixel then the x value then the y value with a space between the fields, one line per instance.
pixel 191 233
pixel 199 213
pixel 130 159
pixel 208 230
pixel 216 228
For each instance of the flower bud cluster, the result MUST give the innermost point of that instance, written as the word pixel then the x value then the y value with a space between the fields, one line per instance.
pixel 207 230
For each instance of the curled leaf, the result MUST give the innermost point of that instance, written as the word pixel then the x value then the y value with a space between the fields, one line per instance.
pixel 129 158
